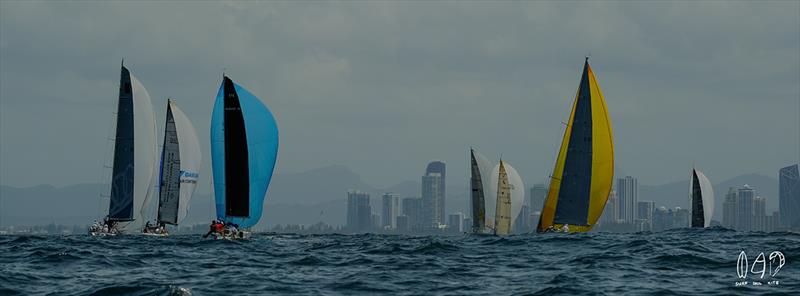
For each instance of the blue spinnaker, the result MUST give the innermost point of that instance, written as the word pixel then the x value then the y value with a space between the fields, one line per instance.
pixel 260 133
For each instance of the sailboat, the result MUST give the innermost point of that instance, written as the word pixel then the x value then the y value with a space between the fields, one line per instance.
pixel 702 199
pixel 134 158
pixel 180 164
pixel 497 195
pixel 584 170
pixel 244 148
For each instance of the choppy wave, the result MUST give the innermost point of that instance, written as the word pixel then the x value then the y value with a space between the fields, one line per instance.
pixel 675 262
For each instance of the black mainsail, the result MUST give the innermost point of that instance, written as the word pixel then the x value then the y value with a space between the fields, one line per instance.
pixel 237 173
pixel 169 193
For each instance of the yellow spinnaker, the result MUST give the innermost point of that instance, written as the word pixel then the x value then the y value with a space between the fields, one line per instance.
pixel 584 169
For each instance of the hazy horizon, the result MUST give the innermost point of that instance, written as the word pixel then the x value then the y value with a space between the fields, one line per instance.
pixel 384 88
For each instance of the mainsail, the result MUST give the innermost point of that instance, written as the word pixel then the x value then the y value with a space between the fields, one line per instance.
pixel 479 167
pixel 502 217
pixel 702 199
pixel 180 163
pixel 584 169
pixel 134 152
pixel 244 147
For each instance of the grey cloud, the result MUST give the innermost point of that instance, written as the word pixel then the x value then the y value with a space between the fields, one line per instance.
pixel 385 87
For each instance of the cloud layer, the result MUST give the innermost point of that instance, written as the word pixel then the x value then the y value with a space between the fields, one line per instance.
pixel 385 87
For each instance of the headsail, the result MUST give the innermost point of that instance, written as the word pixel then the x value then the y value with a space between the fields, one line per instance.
pixel 702 199
pixel 180 164
pixel 502 217
pixel 244 148
pixel 585 163
pixel 134 152
pixel 517 189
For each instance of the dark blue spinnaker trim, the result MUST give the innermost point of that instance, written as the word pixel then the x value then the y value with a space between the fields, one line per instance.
pixel 576 181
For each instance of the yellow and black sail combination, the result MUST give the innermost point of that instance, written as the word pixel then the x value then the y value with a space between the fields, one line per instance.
pixel 584 170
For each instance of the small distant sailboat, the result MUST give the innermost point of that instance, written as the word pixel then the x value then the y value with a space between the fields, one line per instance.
pixel 702 199
pixel 180 164
pixel 244 148
pixel 584 170
pixel 497 196
pixel 134 158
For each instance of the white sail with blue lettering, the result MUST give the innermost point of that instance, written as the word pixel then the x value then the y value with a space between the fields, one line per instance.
pixel 244 148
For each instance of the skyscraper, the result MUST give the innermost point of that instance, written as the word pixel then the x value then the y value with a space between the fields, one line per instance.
pixel 645 211
pixel 744 208
pixel 359 212
pixel 789 179
pixel 437 191
pixel 759 214
pixel 455 222
pixel 432 200
pixel 391 208
pixel 611 211
pixel 628 196
pixel 729 207
pixel 522 223
pixel 537 196
pixel 412 209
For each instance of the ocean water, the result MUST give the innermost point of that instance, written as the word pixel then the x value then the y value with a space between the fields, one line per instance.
pixel 676 262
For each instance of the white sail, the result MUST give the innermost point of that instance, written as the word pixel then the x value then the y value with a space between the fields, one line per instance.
pixel 503 207
pixel 517 191
pixel 191 159
pixel 708 197
pixel 144 129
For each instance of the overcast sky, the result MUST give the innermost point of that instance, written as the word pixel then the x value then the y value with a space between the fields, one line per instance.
pixel 385 87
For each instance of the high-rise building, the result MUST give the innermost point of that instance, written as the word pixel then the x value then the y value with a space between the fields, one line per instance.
pixel 789 180
pixel 359 212
pixel 645 213
pixel 611 211
pixel 729 208
pixel 760 214
pixel 682 218
pixel 391 208
pixel 628 196
pixel 376 221
pixel 744 208
pixel 662 219
pixel 439 167
pixel 412 209
pixel 402 224
pixel 455 222
pixel 522 224
pixel 645 209
pixel 432 200
pixel 537 196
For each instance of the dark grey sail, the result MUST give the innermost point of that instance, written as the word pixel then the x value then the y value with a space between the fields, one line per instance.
pixel 120 207
pixel 698 215
pixel 478 200
pixel 237 173
pixel 573 205
pixel 169 186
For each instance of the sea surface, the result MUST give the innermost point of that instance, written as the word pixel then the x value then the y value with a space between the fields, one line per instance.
pixel 675 262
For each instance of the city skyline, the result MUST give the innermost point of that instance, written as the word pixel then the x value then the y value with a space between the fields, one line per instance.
pixel 525 78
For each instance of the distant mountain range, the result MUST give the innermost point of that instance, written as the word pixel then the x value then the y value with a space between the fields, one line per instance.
pixel 304 198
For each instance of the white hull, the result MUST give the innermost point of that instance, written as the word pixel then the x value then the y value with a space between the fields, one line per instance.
pixel 155 234
pixel 242 234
